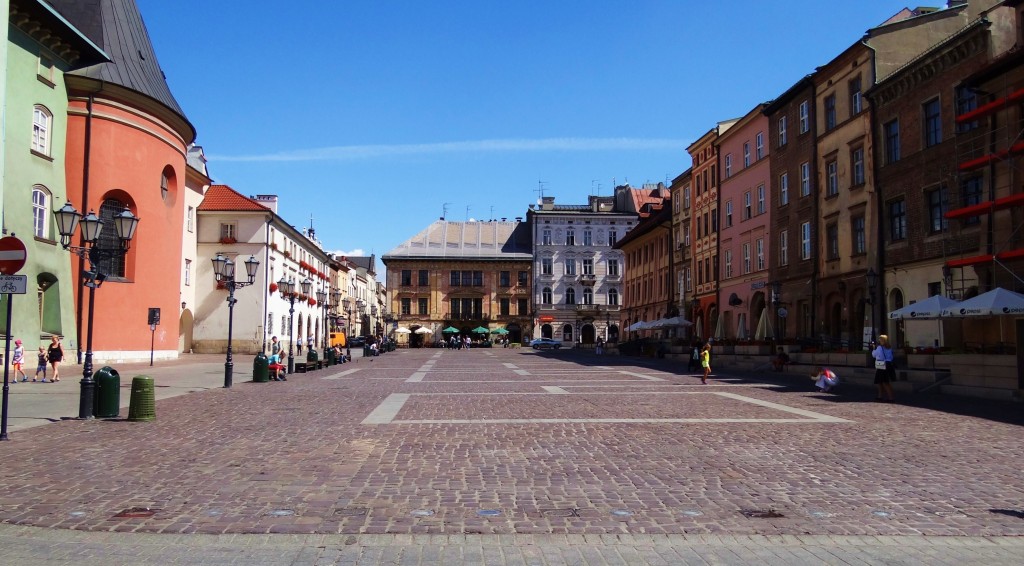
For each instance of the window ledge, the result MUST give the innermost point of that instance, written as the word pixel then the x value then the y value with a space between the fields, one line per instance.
pixel 41 155
pixel 46 81
pixel 832 196
pixel 858 186
pixel 45 240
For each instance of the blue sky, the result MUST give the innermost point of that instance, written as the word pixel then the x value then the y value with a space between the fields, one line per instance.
pixel 374 117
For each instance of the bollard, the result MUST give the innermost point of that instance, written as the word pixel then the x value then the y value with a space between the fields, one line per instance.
pixel 142 406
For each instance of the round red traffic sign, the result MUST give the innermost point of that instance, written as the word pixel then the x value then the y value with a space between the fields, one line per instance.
pixel 12 255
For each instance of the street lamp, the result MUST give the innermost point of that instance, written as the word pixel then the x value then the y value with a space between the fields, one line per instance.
pixel 361 308
pixel 872 280
pixel 68 219
pixel 287 287
pixel 224 272
pixel 321 298
pixel 347 306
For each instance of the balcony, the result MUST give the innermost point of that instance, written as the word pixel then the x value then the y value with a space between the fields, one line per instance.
pixel 587 279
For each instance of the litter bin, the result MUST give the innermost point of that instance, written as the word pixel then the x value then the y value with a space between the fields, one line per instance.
pixel 329 357
pixel 142 406
pixel 108 393
pixel 261 368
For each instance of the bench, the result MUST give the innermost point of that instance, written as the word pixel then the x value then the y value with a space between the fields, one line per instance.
pixel 303 367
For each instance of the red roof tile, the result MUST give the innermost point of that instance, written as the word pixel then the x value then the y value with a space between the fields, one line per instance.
pixel 223 197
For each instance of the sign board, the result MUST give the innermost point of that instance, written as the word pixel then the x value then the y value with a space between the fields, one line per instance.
pixel 13 284
pixel 154 316
pixel 12 255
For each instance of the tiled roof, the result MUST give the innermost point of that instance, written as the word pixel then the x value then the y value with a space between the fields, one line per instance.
pixel 468 240
pixel 223 197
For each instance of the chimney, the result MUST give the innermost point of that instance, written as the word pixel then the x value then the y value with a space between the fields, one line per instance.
pixel 547 203
pixel 269 201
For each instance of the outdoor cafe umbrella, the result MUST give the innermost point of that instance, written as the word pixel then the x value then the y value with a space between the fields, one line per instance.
pixel 639 325
pixel 480 330
pixel 672 322
pixel 926 309
pixel 500 331
pixel 424 330
pixel 997 302
pixel 764 326
pixel 402 330
pixel 450 330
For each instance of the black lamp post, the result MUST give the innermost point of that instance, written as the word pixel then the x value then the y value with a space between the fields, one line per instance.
pixel 125 224
pixel 287 287
pixel 224 271
pixel 347 305
pixel 321 298
pixel 872 280
pixel 361 308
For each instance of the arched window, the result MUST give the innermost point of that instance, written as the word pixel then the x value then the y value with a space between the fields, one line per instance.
pixel 40 211
pixel 570 296
pixel 613 296
pixel 545 296
pixel 588 296
pixel 567 333
pixel 108 239
pixel 42 119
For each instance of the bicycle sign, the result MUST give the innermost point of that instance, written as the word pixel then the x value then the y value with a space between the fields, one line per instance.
pixel 13 284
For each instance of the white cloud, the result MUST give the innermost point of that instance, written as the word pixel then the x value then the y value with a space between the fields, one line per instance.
pixel 358 252
pixel 352 152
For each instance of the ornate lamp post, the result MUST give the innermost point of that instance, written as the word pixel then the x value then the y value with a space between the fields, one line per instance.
pixel 224 272
pixel 68 219
pixel 287 288
pixel 361 308
pixel 872 281
pixel 321 298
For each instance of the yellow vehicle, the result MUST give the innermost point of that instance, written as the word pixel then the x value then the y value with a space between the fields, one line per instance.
pixel 338 339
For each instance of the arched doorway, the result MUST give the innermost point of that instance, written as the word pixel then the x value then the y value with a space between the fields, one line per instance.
pixel 515 332
pixel 416 340
pixel 566 333
pixel 587 334
pixel 185 323
pixel 297 336
pixel 546 331
pixel 613 333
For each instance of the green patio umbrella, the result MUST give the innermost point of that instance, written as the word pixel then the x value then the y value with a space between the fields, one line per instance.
pixel 500 331
pixel 450 329
pixel 480 330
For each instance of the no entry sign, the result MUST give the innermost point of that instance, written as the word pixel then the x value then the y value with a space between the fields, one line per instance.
pixel 12 255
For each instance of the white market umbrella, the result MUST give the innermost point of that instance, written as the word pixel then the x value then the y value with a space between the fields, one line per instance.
pixel 424 330
pixel 641 325
pixel 997 302
pixel 764 326
pixel 926 309
pixel 675 321
pixel 402 330
pixel 719 328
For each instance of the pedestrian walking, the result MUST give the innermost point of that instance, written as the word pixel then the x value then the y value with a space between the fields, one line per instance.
pixel 275 346
pixel 705 362
pixel 41 365
pixel 885 371
pixel 18 361
pixel 55 355
pixel 599 346
pixel 694 361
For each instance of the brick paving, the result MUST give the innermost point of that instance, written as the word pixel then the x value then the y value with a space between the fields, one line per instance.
pixel 429 443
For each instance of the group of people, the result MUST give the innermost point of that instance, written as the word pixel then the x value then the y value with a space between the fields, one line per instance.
pixel 457 342
pixel 278 357
pixel 52 355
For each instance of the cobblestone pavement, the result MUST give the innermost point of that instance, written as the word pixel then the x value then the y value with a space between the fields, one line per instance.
pixel 567 457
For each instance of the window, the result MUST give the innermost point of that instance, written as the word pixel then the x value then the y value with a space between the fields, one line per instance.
pixel 40 212
pixel 746 258
pixel 856 104
pixel 783 189
pixel 190 218
pixel 832 178
pixel 759 145
pixel 746 154
pixel 570 296
pixel 830 112
pixel 686 197
pixel 284 324
pixel 613 236
pixel 728 217
pixel 805 179
pixel 522 306
pixel 759 248
pixel 570 267
pixel 570 237
pixel 970 193
pixel 761 204
pixel 898 220
pixel 966 101
pixel 478 278
pixel 44 70
pixel 746 206
pixel 227 232
pixel 932 111
pixel 857 166
pixel 524 279
pixel 784 248
pixel 546 267
pixel 112 266
pixel 163 186
pixel 505 279
pixel 832 241
pixel 424 278
pixel 456 279
pixel 588 266
pixel 406 306
pixel 42 119
pixel 805 240
pixel 406 277
pixel 859 235
pixel 728 165
pixel 588 296
pixel 728 263
pixel 782 132
pixel 423 305
pixel 546 237
pixel 588 238
pixel 567 333
pixel 613 267
pixel 891 134
pixel 545 296
pixel 937 210
pixel 188 272
pixel 613 296
pixel 805 118
pixel 503 306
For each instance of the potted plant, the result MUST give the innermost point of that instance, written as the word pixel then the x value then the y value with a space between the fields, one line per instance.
pixel 273 288
pixel 228 240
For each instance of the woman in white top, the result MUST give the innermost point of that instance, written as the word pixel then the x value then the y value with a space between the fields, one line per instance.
pixel 885 372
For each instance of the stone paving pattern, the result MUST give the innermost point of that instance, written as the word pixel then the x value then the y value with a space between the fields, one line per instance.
pixel 503 453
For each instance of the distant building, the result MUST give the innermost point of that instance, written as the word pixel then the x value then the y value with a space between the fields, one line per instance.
pixel 650 293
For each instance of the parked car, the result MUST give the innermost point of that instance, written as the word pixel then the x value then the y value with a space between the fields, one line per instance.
pixel 543 343
pixel 358 341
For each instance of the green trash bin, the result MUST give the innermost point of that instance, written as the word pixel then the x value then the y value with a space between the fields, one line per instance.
pixel 108 393
pixel 329 357
pixel 142 406
pixel 261 368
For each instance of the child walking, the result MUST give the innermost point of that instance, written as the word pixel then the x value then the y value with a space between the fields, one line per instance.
pixel 41 365
pixel 705 362
pixel 18 360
